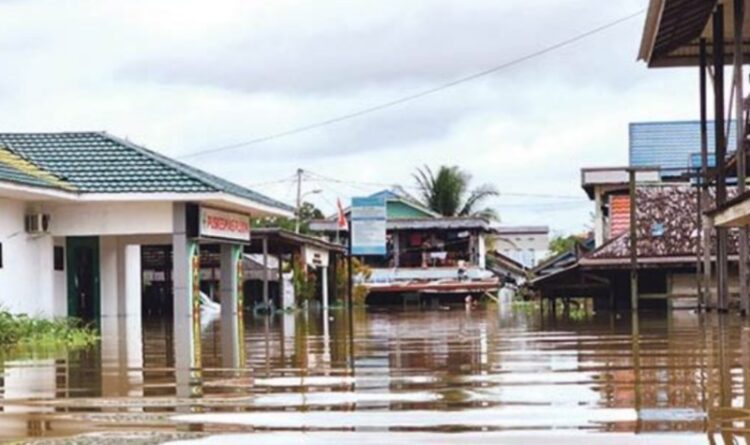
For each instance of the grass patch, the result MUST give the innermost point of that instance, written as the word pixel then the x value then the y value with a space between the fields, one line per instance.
pixel 24 331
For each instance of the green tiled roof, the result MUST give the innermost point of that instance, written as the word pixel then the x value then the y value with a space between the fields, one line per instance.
pixel 12 174
pixel 94 162
pixel 14 168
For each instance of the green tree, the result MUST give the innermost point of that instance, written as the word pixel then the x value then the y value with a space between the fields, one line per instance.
pixel 448 192
pixel 307 212
pixel 561 243
pixel 359 291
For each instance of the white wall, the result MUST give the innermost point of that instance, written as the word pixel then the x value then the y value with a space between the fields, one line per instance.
pixel 27 278
pixel 28 282
pixel 93 219
pixel 526 248
pixel 60 284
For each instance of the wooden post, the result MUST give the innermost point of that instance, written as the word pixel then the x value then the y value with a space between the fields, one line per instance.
pixel 265 272
pixel 350 268
pixel 722 286
pixel 707 300
pixel 739 14
pixel 350 286
pixel 396 249
pixel 280 258
pixel 333 275
pixel 633 244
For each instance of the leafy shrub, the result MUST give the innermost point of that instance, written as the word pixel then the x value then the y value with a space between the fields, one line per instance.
pixel 20 329
pixel 362 273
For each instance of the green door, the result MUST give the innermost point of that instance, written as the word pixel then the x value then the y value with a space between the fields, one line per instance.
pixel 83 278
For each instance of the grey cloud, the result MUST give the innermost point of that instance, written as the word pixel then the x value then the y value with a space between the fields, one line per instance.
pixel 444 43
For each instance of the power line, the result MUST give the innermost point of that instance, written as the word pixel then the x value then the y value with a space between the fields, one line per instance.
pixel 322 178
pixel 272 182
pixel 418 94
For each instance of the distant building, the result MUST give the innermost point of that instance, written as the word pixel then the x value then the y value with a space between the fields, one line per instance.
pixel 425 251
pixel 608 188
pixel 672 146
pixel 527 245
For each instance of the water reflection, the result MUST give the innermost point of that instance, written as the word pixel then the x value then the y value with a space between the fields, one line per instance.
pixel 508 375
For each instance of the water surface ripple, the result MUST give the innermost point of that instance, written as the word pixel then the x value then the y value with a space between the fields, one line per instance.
pixel 484 376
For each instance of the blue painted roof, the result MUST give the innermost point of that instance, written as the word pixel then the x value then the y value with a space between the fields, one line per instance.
pixel 670 145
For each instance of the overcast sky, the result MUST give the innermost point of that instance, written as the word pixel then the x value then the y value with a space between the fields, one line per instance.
pixel 181 76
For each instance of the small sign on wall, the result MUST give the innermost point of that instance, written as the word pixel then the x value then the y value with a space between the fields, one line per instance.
pixel 222 224
pixel 206 222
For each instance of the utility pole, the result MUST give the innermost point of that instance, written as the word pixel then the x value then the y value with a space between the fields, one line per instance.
pixel 633 244
pixel 299 200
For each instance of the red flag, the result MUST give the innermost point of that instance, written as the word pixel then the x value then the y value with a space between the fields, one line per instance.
pixel 342 224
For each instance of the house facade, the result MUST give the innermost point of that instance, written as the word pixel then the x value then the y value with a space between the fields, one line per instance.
pixel 527 245
pixel 425 252
pixel 75 209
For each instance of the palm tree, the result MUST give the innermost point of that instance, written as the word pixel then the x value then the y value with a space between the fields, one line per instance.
pixel 448 192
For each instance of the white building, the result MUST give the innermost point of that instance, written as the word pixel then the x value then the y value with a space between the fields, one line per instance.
pixel 75 209
pixel 525 244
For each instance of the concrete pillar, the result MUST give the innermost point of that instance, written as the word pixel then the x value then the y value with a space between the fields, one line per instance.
pixel 186 289
pixel 108 276
pixel 232 348
pixel 133 281
pixel 324 286
pixel 130 288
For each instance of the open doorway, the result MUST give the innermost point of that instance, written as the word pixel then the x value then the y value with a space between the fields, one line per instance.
pixel 83 278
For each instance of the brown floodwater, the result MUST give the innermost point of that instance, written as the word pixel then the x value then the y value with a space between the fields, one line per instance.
pixel 405 377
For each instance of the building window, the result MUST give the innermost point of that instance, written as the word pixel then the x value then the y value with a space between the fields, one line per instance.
pixel 59 259
pixel 1 255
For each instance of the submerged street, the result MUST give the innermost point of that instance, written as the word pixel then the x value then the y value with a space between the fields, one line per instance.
pixel 408 376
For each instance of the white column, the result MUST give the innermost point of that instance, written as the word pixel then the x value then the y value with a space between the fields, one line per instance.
pixel 324 286
pixel 185 281
pixel 133 280
pixel 232 348
pixel 108 276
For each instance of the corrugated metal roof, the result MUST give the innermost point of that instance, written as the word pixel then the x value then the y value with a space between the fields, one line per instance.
pixel 95 162
pixel 670 145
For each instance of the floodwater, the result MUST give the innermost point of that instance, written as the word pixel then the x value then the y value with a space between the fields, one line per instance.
pixel 406 377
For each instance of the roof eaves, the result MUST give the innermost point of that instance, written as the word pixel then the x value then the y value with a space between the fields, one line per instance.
pixel 650 25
